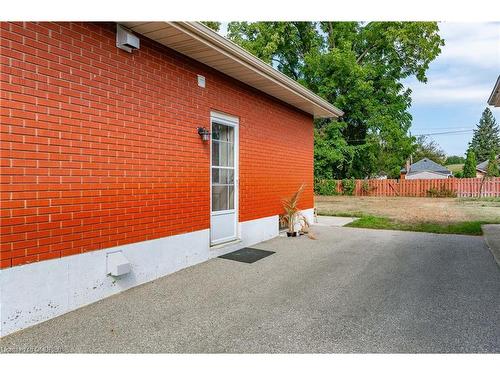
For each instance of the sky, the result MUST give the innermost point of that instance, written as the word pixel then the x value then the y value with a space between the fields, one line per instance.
pixel 460 81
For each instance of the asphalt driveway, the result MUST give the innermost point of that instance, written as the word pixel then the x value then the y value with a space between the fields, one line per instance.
pixel 351 290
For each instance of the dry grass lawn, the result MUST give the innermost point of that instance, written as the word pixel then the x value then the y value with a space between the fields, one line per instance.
pixel 413 210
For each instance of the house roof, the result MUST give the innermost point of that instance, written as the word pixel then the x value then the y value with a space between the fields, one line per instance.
pixel 201 43
pixel 494 99
pixel 427 165
pixel 484 165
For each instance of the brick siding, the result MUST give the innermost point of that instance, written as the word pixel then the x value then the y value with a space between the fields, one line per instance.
pixel 99 147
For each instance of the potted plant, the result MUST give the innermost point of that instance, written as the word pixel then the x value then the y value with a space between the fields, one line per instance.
pixel 292 216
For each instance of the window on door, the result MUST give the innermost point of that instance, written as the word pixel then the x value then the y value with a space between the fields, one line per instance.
pixel 222 167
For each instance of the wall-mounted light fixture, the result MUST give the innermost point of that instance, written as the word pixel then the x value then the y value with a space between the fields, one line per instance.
pixel 204 134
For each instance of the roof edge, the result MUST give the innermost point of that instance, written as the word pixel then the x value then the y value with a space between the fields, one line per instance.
pixel 430 171
pixel 232 50
pixel 495 92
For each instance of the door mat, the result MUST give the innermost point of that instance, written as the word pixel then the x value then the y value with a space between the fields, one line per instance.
pixel 247 255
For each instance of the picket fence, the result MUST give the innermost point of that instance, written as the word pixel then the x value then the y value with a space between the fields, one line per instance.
pixel 462 187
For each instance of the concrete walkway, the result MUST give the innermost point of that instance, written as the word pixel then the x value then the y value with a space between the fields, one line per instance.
pixel 334 221
pixel 351 290
pixel 492 237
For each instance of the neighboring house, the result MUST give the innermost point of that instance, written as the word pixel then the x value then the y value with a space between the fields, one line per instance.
pixel 425 169
pixel 494 98
pixel 482 168
pixel 137 153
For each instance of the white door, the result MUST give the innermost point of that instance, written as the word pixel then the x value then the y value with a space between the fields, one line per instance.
pixel 224 178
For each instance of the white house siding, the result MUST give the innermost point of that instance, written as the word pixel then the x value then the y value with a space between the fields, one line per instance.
pixel 426 176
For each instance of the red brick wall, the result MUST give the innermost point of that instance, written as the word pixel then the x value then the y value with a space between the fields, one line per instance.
pixel 99 147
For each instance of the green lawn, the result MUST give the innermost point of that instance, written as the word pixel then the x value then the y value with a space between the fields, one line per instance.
pixel 481 199
pixel 378 222
pixel 455 167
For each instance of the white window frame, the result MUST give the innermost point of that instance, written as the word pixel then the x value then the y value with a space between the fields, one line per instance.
pixel 232 121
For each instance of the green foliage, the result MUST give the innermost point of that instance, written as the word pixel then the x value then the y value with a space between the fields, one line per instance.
pixel 458 174
pixel 332 155
pixel 212 24
pixel 428 149
pixel 281 44
pixel 377 222
pixel 486 138
pixel 348 186
pixel 454 159
pixel 492 169
pixel 365 187
pixel 441 193
pixel 470 164
pixel 359 68
pixel 325 187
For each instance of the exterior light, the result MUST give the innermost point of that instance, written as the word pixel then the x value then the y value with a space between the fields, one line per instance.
pixel 204 134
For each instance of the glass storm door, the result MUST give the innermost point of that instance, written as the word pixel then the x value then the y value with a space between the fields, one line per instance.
pixel 224 177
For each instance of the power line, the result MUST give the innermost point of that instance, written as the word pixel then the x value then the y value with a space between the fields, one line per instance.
pixel 440 128
pixel 449 132
pixel 418 135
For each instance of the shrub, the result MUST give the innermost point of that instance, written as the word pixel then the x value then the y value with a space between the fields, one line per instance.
pixel 348 186
pixel 292 212
pixel 441 193
pixel 492 169
pixel 325 187
pixel 469 170
pixel 365 187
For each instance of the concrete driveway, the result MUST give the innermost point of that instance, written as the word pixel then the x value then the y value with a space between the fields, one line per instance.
pixel 351 290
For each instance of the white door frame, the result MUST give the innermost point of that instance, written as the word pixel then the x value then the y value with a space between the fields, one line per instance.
pixel 232 121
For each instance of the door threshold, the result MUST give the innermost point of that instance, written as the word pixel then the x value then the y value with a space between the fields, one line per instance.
pixel 224 244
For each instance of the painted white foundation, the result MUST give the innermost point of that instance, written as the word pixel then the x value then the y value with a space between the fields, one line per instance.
pixel 36 292
pixel 309 214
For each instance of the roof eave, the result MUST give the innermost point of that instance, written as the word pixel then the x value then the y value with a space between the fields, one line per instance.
pixel 430 171
pixel 316 106
pixel 262 66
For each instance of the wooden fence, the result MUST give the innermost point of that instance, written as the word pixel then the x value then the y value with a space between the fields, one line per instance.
pixel 462 187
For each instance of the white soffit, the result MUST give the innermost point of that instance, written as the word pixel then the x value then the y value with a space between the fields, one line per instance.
pixel 201 43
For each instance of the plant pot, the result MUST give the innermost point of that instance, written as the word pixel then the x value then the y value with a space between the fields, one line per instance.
pixel 291 234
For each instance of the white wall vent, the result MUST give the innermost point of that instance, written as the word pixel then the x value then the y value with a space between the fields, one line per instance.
pixel 125 39
pixel 117 264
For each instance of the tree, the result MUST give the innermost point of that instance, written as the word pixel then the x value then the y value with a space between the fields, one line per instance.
pixel 332 154
pixel 212 24
pixel 470 164
pixel 486 138
pixel 428 149
pixel 359 68
pixel 492 169
pixel 454 159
